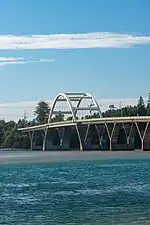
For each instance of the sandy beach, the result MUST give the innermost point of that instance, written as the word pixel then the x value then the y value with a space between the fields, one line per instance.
pixel 65 156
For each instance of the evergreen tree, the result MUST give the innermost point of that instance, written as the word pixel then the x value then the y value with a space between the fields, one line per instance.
pixel 42 112
pixel 2 125
pixel 148 105
pixel 9 139
pixel 141 109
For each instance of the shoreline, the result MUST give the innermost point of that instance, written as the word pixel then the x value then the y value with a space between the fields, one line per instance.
pixel 27 156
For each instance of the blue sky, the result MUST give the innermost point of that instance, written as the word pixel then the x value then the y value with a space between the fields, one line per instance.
pixel 111 60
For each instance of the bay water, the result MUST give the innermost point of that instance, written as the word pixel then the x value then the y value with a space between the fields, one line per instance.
pixel 90 192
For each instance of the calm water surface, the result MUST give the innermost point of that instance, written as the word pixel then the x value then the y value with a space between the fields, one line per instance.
pixel 92 193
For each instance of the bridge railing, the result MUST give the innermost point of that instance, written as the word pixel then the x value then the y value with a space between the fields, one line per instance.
pixel 84 121
pixel 118 118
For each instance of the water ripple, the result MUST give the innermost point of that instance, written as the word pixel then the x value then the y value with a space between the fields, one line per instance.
pixel 103 192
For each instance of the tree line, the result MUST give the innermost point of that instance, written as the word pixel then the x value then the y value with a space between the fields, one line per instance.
pixel 10 137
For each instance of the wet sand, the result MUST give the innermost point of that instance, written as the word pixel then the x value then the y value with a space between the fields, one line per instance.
pixel 7 157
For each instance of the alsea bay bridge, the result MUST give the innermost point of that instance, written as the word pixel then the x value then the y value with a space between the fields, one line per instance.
pixel 112 133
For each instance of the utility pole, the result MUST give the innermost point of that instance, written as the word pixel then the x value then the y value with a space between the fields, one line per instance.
pixel 25 116
pixel 120 107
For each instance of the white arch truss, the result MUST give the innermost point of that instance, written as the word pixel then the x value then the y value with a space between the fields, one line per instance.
pixel 56 100
pixel 69 98
pixel 78 97
pixel 85 95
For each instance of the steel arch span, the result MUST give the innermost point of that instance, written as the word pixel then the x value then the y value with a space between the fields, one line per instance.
pixel 70 98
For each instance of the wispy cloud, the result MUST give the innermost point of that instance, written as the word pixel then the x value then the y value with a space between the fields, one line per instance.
pixel 15 110
pixel 11 61
pixel 71 41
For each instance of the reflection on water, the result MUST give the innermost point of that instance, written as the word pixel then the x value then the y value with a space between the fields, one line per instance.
pixel 92 193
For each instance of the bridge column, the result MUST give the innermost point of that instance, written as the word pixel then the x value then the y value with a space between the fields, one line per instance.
pixel 80 138
pixel 86 133
pixel 44 138
pixel 100 131
pixel 142 136
pixel 100 135
pixel 99 138
pixel 128 132
pixel 110 134
pixel 31 135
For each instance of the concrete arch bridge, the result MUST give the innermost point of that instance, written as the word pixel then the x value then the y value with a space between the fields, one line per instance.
pixel 84 133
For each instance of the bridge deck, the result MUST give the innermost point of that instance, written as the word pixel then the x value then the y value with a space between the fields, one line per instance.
pixel 129 119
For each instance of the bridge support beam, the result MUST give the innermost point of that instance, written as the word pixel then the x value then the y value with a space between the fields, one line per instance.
pixel 128 134
pixel 44 139
pixel 31 136
pixel 100 131
pixel 142 136
pixel 80 139
pixel 86 134
pixel 110 135
pixel 99 138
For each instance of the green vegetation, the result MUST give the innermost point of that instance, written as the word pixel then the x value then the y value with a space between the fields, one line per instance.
pixel 10 137
pixel 42 112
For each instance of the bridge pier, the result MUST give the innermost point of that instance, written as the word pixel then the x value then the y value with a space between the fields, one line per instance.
pixel 87 134
pixel 44 139
pixel 142 134
pixel 99 137
pixel 101 131
pixel 81 141
pixel 93 137
pixel 128 131
pixel 31 136
pixel 110 132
